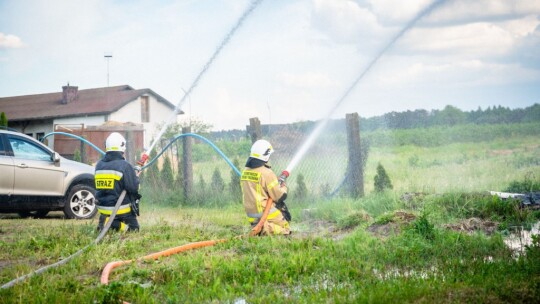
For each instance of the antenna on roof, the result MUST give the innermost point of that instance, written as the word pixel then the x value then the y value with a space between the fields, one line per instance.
pixel 108 56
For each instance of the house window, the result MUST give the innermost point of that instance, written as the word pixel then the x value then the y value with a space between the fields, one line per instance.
pixel 145 109
pixel 40 135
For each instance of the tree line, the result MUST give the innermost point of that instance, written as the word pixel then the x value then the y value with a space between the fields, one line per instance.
pixel 451 116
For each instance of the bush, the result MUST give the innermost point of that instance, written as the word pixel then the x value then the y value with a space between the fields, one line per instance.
pixel 234 186
pixel 3 120
pixel 528 184
pixel 167 176
pixel 423 227
pixel 300 191
pixel 382 181
pixel 77 155
pixel 217 184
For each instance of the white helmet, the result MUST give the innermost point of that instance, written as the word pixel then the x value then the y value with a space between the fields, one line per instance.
pixel 262 150
pixel 115 142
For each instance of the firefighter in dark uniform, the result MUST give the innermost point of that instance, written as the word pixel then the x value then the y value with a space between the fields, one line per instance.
pixel 113 175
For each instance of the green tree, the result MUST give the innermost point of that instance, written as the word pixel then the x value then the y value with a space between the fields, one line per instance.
pixel 300 191
pixel 180 170
pixel 217 184
pixel 202 183
pixel 234 186
pixel 197 126
pixel 382 180
pixel 451 116
pixel 167 176
pixel 3 120
pixel 77 155
pixel 150 175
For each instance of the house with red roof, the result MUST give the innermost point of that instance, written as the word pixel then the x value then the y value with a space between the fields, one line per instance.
pixel 40 114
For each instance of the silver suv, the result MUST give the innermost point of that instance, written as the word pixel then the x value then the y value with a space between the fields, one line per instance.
pixel 35 180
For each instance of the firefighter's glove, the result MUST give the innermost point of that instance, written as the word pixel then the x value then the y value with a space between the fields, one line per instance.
pixel 135 207
pixel 280 205
pixel 136 198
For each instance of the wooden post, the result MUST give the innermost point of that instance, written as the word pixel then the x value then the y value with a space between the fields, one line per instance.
pixel 355 175
pixel 130 147
pixel 254 129
pixel 188 165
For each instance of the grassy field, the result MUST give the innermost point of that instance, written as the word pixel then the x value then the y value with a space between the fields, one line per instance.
pixel 442 242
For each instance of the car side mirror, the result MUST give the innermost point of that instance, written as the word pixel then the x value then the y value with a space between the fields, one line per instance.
pixel 56 158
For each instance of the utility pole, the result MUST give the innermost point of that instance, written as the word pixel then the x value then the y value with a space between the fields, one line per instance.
pixel 108 56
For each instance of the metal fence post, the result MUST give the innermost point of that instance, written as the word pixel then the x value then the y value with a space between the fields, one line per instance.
pixel 354 170
pixel 188 165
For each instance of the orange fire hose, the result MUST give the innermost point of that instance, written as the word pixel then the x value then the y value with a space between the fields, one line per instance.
pixel 154 256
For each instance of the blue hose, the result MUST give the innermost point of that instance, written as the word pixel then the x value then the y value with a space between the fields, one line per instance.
pixel 77 137
pixel 160 153
pixel 201 138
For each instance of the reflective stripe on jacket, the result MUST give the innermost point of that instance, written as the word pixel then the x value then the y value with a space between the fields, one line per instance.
pixel 123 209
pixel 259 184
pixel 113 175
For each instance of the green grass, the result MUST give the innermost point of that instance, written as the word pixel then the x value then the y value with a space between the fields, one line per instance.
pixel 422 263
pixel 380 248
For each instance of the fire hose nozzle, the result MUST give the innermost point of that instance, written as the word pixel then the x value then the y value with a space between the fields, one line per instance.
pixel 283 177
pixel 143 160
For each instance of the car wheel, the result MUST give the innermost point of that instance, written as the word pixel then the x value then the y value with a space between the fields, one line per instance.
pixel 35 214
pixel 80 202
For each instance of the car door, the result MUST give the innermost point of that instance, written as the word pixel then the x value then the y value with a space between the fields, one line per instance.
pixel 35 171
pixel 7 172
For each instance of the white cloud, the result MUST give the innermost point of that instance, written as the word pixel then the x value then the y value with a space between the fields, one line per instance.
pixel 392 11
pixel 10 41
pixel 344 21
pixel 484 10
pixel 472 40
pixel 466 73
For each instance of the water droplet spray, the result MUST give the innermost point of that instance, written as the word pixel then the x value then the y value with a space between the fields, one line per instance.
pixel 320 126
pixel 197 79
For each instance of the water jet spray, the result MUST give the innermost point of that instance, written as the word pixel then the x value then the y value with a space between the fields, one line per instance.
pixel 177 109
pixel 320 126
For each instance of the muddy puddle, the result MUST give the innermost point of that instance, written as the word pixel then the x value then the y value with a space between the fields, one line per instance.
pixel 520 237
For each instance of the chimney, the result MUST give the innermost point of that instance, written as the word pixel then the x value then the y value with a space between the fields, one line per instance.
pixel 69 93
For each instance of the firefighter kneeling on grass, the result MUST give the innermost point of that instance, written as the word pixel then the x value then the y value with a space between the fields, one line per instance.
pixel 113 175
pixel 259 183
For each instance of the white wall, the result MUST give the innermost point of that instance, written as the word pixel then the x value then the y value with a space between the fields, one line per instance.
pixel 131 112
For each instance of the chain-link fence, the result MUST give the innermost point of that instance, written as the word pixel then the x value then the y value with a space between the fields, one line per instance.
pixel 319 173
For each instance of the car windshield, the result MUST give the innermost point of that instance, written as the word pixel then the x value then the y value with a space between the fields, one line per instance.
pixel 27 150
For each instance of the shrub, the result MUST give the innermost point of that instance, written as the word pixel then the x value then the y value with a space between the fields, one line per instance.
pixel 234 186
pixel 217 183
pixel 528 184
pixel 77 155
pixel 167 176
pixel 300 191
pixel 423 227
pixel 3 120
pixel 382 181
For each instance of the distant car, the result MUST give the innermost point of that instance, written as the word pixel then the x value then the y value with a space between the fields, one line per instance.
pixel 35 180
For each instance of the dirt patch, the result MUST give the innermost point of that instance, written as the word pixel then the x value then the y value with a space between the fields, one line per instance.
pixel 316 228
pixel 393 225
pixel 474 224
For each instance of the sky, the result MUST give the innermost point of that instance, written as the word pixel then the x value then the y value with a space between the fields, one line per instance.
pixel 289 61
